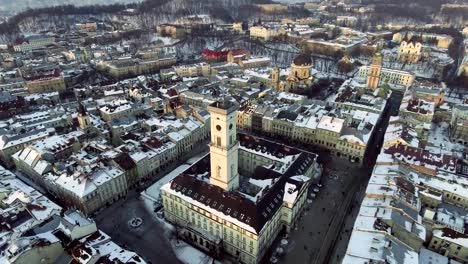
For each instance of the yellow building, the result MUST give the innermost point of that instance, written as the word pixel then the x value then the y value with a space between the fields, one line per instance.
pixel 265 32
pixel 46 82
pixel 237 26
pixel 373 79
pixel 193 70
pixel 273 8
pixel 87 27
pixel 244 117
pixel 328 131
pixel 410 49
pixel 351 147
pixel 441 41
pixel 217 213
pixel 433 94
pixel 84 121
pixel 174 31
pixel 450 243
pixel 299 77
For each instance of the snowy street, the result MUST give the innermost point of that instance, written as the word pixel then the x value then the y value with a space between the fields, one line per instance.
pixel 322 220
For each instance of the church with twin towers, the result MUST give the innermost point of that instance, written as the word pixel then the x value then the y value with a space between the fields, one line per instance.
pixel 235 201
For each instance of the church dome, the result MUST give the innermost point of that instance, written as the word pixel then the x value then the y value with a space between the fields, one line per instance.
pixel 302 60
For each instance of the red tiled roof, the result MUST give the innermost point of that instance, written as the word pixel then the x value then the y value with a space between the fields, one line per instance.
pixel 214 54
pixel 172 92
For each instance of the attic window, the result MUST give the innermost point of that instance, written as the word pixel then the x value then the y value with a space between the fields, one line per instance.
pixel 264 214
pixel 228 210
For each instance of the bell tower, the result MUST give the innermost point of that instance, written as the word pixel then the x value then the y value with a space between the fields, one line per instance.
pixel 375 70
pixel 224 145
pixel 83 118
pixel 275 77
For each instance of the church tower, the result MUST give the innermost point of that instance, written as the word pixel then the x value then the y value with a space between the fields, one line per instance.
pixel 224 145
pixel 275 77
pixel 83 118
pixel 375 70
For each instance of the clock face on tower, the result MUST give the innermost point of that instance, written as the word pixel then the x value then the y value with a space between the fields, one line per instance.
pixel 230 126
pixel 218 127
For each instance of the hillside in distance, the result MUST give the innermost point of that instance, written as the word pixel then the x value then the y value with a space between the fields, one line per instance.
pixel 15 6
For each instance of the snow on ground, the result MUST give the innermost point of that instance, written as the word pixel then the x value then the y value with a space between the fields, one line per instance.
pixel 184 252
pixel 151 195
pixel 164 40
pixel 439 142
pixel 153 192
pixel 197 157
pixel 190 255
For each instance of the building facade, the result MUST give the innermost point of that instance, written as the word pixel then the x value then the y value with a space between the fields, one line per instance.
pixel 215 213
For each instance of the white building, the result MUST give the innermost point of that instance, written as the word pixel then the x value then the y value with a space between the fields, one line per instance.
pixel 116 109
pixel 392 77
pixel 34 42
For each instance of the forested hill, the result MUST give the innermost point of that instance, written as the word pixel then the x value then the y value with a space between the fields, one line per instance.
pixel 15 6
pixel 147 9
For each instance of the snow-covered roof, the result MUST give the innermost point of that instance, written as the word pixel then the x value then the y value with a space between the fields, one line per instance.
pixel 364 246
pixel 330 123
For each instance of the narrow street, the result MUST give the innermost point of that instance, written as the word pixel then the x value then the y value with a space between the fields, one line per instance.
pixel 325 228
pixel 317 228
pixel 343 232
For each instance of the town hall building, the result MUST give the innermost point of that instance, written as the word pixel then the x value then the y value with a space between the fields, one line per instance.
pixel 235 201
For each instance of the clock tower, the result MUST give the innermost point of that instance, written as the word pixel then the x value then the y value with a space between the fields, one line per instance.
pixel 224 145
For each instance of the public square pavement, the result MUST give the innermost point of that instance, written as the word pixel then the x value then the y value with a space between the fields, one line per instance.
pixel 149 239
